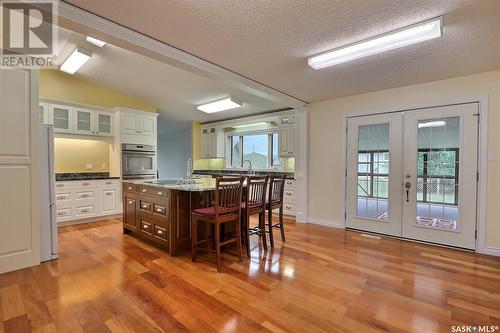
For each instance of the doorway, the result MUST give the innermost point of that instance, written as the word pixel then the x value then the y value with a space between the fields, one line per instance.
pixel 413 174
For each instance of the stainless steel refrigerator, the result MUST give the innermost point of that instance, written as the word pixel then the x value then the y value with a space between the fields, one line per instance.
pixel 48 224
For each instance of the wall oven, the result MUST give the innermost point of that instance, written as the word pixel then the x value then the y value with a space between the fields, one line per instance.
pixel 138 161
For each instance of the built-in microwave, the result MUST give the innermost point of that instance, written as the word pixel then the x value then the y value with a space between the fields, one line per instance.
pixel 138 161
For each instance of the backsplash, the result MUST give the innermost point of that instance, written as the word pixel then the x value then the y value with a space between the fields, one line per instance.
pixel 220 164
pixel 76 156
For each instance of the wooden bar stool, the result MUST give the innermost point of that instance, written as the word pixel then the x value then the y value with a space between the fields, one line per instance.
pixel 254 204
pixel 227 209
pixel 275 201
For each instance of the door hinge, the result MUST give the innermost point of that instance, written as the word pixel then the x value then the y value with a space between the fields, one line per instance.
pixel 346 129
pixel 475 234
pixel 478 116
pixel 345 216
pixel 477 176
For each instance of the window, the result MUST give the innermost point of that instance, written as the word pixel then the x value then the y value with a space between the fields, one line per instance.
pixel 261 149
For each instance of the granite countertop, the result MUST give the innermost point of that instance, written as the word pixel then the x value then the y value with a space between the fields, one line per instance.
pixel 289 175
pixel 195 185
pixel 83 176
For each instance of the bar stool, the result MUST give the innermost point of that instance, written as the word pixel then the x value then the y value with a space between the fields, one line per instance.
pixel 227 209
pixel 254 204
pixel 275 201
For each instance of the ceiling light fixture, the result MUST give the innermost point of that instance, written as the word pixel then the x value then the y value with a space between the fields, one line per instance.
pixel 76 60
pixel 95 41
pixel 439 123
pixel 389 41
pixel 220 105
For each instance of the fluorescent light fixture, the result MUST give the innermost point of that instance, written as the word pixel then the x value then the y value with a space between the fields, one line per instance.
pixel 392 40
pixel 438 123
pixel 76 60
pixel 220 105
pixel 95 41
pixel 250 125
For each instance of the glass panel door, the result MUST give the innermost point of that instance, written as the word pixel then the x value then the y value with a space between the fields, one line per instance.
pixel 84 121
pixel 61 118
pixel 374 165
pixel 440 175
pixel 104 123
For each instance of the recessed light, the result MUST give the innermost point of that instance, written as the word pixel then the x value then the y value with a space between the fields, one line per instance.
pixel 392 40
pixel 220 105
pixel 76 60
pixel 96 41
pixel 438 123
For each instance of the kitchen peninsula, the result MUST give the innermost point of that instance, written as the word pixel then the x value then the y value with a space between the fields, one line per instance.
pixel 160 210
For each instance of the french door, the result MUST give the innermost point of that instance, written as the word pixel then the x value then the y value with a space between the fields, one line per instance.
pixel 413 174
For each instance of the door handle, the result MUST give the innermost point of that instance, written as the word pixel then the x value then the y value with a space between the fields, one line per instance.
pixel 407 187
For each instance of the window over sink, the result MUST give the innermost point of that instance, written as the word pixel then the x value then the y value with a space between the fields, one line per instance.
pixel 260 148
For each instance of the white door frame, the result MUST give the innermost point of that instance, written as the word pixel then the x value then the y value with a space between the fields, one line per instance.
pixel 482 157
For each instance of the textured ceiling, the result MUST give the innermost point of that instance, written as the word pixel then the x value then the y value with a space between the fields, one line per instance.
pixel 269 41
pixel 173 90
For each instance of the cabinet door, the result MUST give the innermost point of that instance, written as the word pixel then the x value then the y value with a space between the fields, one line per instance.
pixel 286 141
pixel 104 124
pixel 62 116
pixel 130 212
pixel 108 201
pixel 129 124
pixel 148 126
pixel 44 115
pixel 83 123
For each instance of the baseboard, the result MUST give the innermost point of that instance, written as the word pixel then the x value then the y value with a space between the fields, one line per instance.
pixel 327 223
pixel 89 220
pixel 492 251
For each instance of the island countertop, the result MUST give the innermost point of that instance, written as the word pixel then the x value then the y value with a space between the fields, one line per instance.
pixel 194 185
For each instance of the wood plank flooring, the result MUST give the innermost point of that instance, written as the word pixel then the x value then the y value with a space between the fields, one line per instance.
pixel 321 280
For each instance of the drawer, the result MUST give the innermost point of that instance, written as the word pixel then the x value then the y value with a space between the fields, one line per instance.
pixel 161 210
pixel 130 187
pixel 146 205
pixel 289 182
pixel 60 185
pixel 84 210
pixel 152 190
pixel 110 182
pixel 63 212
pixel 146 227
pixel 63 196
pixel 160 232
pixel 85 195
pixel 288 207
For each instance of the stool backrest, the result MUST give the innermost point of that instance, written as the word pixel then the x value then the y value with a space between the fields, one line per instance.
pixel 228 195
pixel 276 189
pixel 256 191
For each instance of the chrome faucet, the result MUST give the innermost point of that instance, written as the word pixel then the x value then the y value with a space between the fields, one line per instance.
pixel 250 170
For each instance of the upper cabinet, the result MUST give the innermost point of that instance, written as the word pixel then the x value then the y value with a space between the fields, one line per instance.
pixel 77 120
pixel 138 123
pixel 286 137
pixel 212 142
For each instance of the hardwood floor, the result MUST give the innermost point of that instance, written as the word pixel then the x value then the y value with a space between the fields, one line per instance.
pixel 322 280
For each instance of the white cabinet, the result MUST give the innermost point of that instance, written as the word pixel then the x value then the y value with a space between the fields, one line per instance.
pixel 92 122
pixel 77 120
pixel 289 198
pixel 286 136
pixel 212 142
pixel 138 124
pixel 62 118
pixel 77 200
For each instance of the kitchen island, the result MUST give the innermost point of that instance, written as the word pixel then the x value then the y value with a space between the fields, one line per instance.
pixel 160 210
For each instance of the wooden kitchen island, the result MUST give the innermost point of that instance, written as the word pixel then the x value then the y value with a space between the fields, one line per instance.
pixel 160 211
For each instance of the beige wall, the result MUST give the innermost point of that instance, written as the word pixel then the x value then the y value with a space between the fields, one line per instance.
pixel 326 139
pixel 72 155
pixel 55 84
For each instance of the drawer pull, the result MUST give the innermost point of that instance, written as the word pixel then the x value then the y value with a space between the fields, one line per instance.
pixel 60 185
pixel 159 210
pixel 108 183
pixel 109 193
pixel 130 202
pixel 145 226
pixel 130 187
pixel 160 193
pixel 144 190
pixel 160 232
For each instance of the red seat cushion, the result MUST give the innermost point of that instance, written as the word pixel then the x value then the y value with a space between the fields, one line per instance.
pixel 210 211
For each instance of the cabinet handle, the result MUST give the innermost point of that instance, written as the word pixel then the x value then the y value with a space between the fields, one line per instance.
pixel 160 193
pixel 144 190
pixel 108 193
pixel 108 183
pixel 129 187
pixel 145 226
pixel 160 232
pixel 159 210
pixel 130 202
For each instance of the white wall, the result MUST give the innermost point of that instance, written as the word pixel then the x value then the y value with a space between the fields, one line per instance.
pixel 326 139
pixel 174 149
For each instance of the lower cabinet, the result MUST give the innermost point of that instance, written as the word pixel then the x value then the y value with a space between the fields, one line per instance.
pixel 77 200
pixel 158 215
